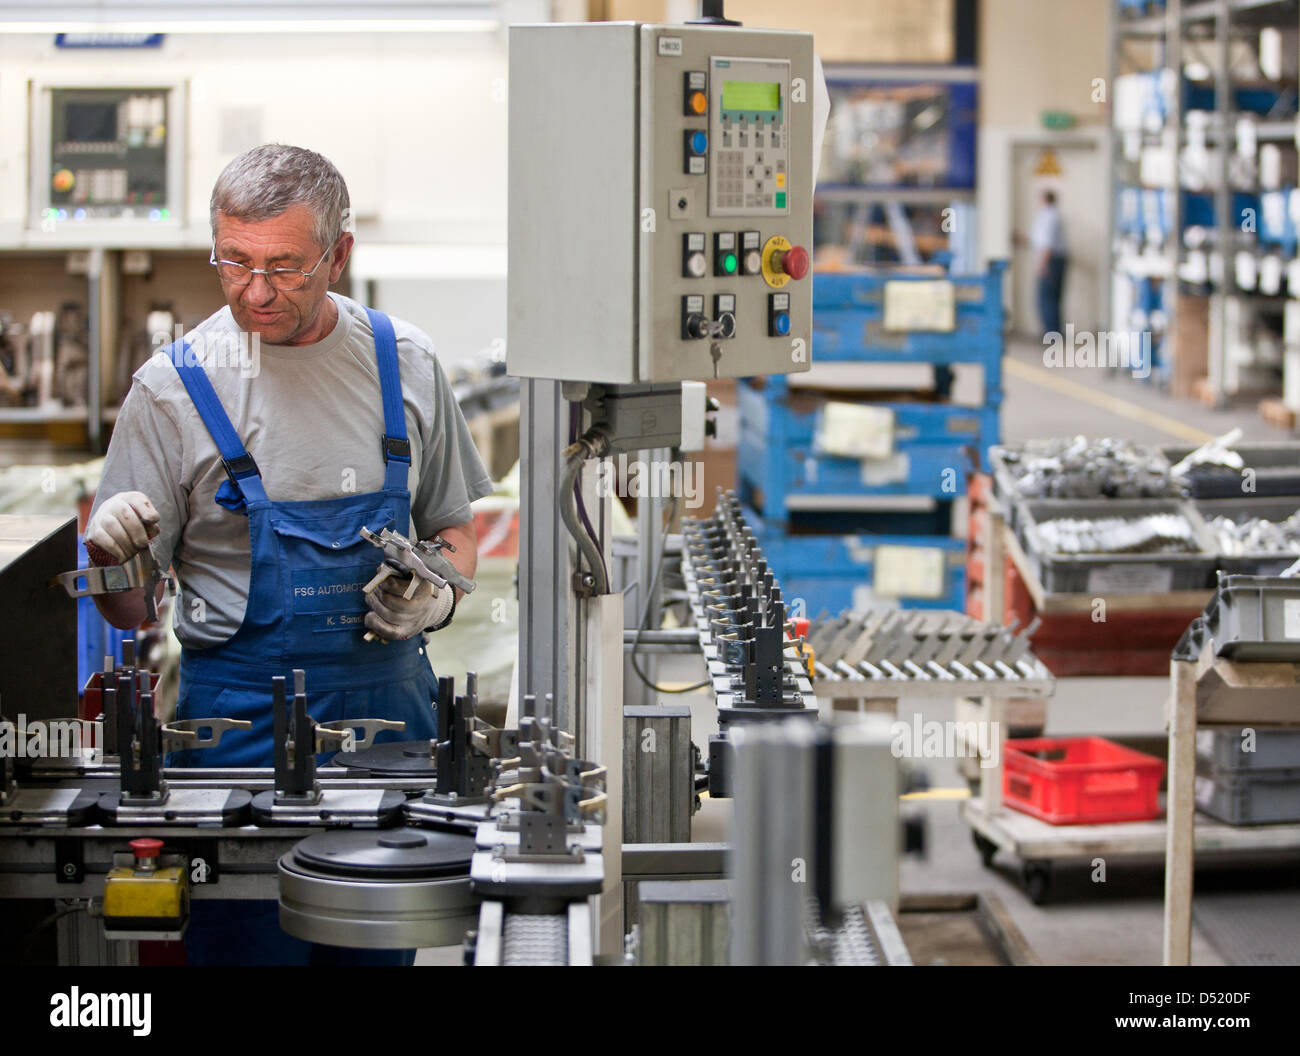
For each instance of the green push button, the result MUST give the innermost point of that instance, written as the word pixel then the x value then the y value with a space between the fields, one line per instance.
pixel 729 263
pixel 780 199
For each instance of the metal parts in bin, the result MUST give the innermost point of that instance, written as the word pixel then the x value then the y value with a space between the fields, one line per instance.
pixel 1141 559
pixel 1079 468
pixel 1217 469
pixel 1248 534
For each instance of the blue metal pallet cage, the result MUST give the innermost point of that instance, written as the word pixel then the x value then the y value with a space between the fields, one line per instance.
pixel 824 551
pixel 829 571
pixel 935 446
pixel 849 323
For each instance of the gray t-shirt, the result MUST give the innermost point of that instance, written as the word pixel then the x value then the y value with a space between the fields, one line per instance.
pixel 312 418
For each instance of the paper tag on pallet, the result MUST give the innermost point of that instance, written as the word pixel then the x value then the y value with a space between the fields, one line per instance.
pixel 920 305
pixel 909 572
pixel 1131 579
pixel 855 430
pixel 892 470
pixel 1291 617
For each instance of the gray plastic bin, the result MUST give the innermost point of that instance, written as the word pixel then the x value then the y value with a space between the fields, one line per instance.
pixel 1275 748
pixel 1104 574
pixel 1276 464
pixel 1256 618
pixel 1255 563
pixel 1262 797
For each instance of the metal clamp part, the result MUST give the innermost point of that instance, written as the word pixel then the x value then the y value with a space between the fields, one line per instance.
pixel 187 733
pixel 335 733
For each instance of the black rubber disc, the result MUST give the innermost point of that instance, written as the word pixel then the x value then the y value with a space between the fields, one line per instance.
pixel 385 853
pixel 391 759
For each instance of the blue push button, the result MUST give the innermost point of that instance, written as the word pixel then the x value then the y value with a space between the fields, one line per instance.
pixel 781 323
pixel 699 142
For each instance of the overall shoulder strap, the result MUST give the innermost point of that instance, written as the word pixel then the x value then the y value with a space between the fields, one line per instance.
pixel 239 464
pixel 397 448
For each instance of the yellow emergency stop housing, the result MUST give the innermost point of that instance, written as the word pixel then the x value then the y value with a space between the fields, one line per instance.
pixel 771 275
pixel 146 903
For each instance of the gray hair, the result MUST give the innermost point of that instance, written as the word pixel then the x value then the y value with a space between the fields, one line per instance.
pixel 263 182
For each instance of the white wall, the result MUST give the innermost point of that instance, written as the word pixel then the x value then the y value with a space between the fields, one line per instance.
pixel 1035 55
pixel 416 122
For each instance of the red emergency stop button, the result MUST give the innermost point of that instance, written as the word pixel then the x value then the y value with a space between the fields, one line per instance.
pixel 793 262
pixel 146 848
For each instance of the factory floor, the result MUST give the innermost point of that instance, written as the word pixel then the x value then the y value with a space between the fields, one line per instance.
pixel 1118 922
pixel 1039 401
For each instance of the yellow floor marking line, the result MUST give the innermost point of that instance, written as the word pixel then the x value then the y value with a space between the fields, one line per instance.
pixel 1049 380
pixel 939 793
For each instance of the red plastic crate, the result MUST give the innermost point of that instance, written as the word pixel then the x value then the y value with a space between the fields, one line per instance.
pixel 1080 780
pixel 92 695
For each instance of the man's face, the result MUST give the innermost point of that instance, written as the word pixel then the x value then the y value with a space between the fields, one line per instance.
pixel 297 317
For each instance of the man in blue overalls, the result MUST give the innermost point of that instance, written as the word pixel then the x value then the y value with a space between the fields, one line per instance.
pixel 249 456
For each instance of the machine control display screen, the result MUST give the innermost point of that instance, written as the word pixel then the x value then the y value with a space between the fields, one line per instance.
pixel 90 123
pixel 762 96
pixel 749 137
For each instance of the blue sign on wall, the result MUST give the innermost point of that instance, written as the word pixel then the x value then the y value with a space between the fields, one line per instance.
pixel 108 40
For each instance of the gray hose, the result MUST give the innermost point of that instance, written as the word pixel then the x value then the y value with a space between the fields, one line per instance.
pixel 569 513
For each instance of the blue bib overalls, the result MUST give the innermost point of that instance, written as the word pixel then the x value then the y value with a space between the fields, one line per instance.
pixel 305 609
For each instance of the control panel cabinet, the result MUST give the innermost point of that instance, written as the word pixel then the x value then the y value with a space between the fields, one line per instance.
pixel 660 202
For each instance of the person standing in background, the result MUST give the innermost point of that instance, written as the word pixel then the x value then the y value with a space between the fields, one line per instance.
pixel 1047 240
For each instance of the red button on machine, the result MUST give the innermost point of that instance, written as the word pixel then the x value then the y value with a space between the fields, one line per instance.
pixel 793 262
pixel 146 848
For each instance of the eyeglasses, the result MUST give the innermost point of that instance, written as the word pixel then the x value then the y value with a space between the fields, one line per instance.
pixel 286 280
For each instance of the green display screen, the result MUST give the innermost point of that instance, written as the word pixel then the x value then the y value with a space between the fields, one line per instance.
pixel 751 95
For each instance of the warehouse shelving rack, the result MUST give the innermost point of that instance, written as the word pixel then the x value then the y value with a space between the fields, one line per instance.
pixel 1149 35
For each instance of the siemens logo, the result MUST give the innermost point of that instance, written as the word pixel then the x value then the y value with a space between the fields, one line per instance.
pixel 76 1009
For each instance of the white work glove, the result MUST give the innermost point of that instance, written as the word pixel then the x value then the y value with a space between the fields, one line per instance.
pixel 394 617
pixel 123 526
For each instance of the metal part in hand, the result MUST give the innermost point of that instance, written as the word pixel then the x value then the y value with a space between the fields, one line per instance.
pixel 140 571
pixel 423 560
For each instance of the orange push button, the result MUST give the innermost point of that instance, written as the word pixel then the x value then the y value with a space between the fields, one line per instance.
pixel 696 99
